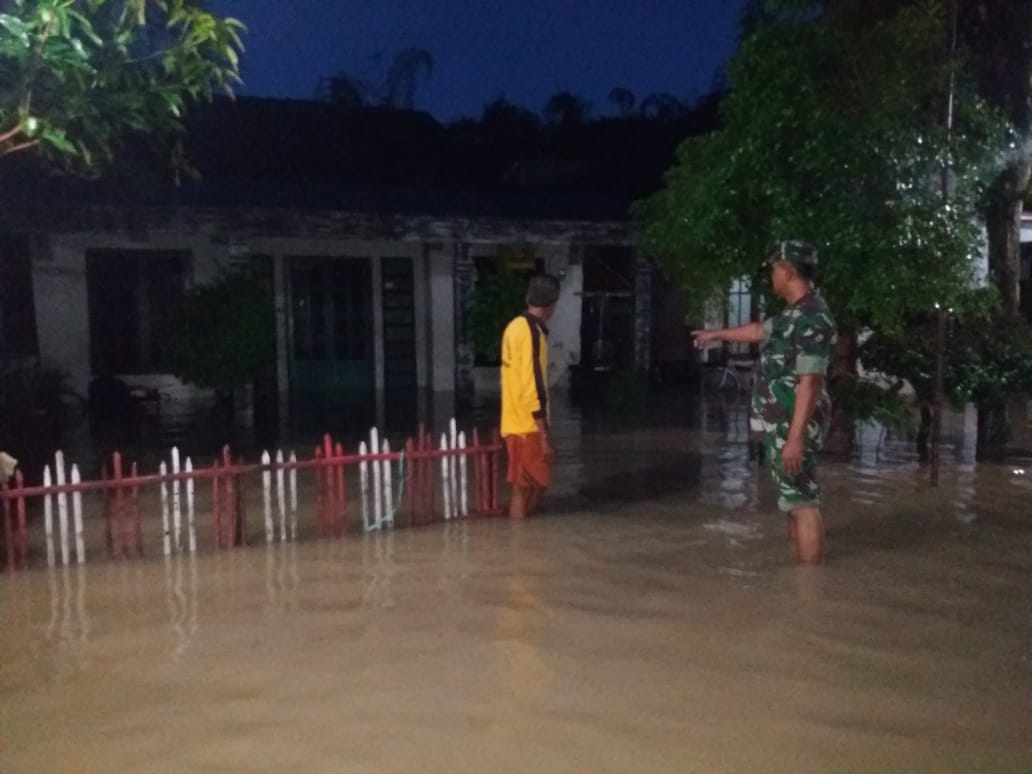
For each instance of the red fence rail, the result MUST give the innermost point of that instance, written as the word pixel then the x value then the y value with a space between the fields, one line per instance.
pixel 416 485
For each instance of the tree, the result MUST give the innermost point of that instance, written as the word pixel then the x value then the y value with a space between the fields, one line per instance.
pixel 624 101
pixel 995 37
pixel 834 132
pixel 662 107
pixel 988 359
pixel 226 335
pixel 403 77
pixel 77 77
pixel 394 89
pixel 343 89
pixel 565 109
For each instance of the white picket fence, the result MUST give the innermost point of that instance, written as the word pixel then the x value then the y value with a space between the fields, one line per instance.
pixel 382 489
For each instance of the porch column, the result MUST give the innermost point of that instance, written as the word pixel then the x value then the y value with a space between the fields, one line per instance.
pixel 281 302
pixel 465 275
pixel 642 313
pixel 378 348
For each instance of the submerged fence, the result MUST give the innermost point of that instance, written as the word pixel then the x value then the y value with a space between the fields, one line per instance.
pixel 416 484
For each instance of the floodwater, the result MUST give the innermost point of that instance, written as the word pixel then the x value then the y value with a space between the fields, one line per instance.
pixel 652 623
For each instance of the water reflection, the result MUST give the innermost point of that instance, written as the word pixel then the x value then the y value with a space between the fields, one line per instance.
pixel 182 601
pixel 378 569
pixel 282 580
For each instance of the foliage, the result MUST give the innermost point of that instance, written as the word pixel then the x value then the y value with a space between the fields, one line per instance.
pixel 988 358
pixel 866 401
pixel 833 132
pixel 39 399
pixel 497 299
pixel 566 109
pixel 78 76
pixel 227 333
pixel 395 89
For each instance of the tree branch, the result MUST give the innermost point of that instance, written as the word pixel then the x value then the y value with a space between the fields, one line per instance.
pixel 8 136
pixel 8 150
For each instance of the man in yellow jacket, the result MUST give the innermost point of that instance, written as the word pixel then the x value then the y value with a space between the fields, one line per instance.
pixel 525 397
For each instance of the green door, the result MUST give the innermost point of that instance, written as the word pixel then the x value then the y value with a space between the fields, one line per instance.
pixel 331 374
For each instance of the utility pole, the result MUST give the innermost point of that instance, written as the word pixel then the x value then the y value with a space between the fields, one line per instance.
pixel 940 307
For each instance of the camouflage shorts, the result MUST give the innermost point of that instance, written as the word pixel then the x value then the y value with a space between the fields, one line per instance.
pixel 800 490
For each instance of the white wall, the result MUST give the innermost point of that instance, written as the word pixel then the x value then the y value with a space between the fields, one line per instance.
pixel 564 338
pixel 440 286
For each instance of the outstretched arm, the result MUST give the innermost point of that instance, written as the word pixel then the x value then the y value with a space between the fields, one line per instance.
pixel 750 333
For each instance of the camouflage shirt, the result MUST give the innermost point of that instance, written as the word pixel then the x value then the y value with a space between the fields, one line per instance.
pixel 797 342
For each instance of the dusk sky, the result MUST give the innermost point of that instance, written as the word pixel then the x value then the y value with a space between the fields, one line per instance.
pixel 525 50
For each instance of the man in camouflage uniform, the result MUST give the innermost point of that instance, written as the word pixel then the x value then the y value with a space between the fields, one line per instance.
pixel 790 402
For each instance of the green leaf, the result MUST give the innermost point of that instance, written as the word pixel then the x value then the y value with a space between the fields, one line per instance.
pixel 16 27
pixel 59 140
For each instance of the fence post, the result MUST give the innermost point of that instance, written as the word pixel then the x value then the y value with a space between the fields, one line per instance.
pixel 116 479
pixel 463 481
pixel 453 443
pixel 216 505
pixel 388 488
pixel 62 504
pixel 445 475
pixel 134 498
pixel 267 494
pixel 23 532
pixel 241 509
pixel 177 510
pixel 342 495
pixel 493 478
pixel 8 527
pixel 428 478
pixel 420 476
pixel 80 540
pixel 293 496
pixel 281 496
pixel 109 535
pixel 479 479
pixel 48 515
pixel 190 512
pixel 408 479
pixel 166 535
pixel 229 523
pixel 320 492
pixel 363 477
pixel 374 449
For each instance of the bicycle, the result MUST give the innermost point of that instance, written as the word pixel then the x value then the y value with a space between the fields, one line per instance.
pixel 733 377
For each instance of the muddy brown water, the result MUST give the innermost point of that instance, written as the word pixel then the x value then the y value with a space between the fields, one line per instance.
pixel 653 623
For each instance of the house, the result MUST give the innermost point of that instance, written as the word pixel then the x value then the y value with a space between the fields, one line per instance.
pixel 372 264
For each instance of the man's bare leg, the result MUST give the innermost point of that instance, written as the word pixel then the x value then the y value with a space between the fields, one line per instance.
pixel 808 528
pixel 533 499
pixel 518 505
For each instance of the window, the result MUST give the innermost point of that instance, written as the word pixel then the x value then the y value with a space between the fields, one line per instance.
pixel 739 311
pixel 17 309
pixel 332 309
pixel 135 299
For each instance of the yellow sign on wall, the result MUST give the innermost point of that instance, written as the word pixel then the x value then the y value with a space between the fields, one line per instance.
pixel 516 257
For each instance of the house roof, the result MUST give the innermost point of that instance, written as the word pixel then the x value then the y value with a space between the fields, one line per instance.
pixel 314 156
